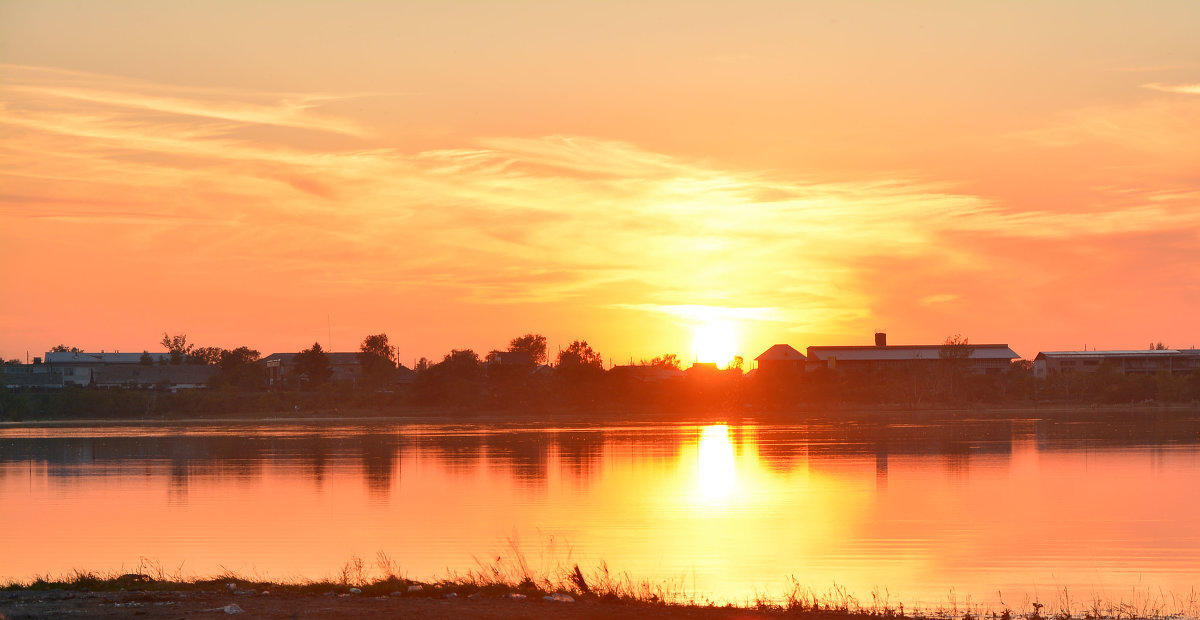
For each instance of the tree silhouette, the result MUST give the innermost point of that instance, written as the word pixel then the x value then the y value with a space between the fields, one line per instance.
pixel 238 369
pixel 579 354
pixel 955 354
pixel 177 346
pixel 533 344
pixel 669 360
pixel 205 355
pixel 313 365
pixel 375 355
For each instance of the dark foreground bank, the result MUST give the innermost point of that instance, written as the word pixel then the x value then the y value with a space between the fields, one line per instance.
pixel 19 604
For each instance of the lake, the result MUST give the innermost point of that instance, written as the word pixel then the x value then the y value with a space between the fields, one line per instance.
pixel 931 512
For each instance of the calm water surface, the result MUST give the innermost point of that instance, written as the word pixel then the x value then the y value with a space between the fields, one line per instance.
pixel 969 510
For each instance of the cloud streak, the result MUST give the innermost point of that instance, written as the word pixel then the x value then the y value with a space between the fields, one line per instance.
pixel 1182 89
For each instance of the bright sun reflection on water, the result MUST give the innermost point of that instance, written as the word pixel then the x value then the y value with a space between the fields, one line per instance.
pixel 717 471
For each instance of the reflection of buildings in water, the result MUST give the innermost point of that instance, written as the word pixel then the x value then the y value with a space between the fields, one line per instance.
pixel 958 465
pixel 881 466
pixel 177 483
pixel 782 450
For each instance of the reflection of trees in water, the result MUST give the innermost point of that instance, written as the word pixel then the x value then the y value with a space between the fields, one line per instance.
pixel 457 453
pixel 313 452
pixel 379 456
pixel 579 452
pixel 525 453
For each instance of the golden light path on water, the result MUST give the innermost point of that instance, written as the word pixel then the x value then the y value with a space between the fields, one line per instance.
pixel 716 470
pixel 718 512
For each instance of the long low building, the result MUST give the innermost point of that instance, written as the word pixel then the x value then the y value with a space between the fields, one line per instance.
pixel 79 367
pixel 978 358
pixel 1126 362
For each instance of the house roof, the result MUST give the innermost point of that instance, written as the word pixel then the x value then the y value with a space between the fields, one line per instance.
pixel 1116 353
pixel 335 359
pixel 780 353
pixel 907 352
pixel 68 357
pixel 404 374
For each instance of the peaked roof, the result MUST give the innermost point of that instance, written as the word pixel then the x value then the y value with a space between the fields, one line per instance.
pixel 782 353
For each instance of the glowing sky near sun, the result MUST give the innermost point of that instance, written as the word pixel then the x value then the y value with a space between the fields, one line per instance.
pixel 656 177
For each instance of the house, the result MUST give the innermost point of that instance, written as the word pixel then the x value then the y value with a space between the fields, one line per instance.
pixel 281 367
pixel 404 375
pixel 40 376
pixel 1126 362
pixel 512 358
pixel 346 367
pixel 702 370
pixel 979 358
pixel 78 367
pixel 646 373
pixel 780 359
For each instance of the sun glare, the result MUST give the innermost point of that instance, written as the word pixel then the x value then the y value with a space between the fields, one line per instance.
pixel 714 341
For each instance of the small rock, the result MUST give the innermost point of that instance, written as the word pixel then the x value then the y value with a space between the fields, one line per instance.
pixel 559 597
pixel 233 609
pixel 515 596
pixel 396 593
pixel 265 592
pixel 244 592
pixel 416 588
pixel 475 596
pixel 232 587
pixel 450 595
pixel 355 591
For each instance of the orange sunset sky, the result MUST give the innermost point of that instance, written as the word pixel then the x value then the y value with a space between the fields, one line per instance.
pixel 694 177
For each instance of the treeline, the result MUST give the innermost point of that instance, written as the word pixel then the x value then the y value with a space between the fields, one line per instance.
pixel 523 379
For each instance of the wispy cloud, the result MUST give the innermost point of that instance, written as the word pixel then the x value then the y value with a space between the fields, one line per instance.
pixel 693 312
pixel 1182 89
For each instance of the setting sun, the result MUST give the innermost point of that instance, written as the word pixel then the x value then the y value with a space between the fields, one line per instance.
pixel 715 341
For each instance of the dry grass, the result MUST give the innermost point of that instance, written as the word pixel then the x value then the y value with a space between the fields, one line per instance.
pixel 512 572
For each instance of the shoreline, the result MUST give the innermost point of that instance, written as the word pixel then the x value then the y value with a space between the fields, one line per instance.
pixel 429 415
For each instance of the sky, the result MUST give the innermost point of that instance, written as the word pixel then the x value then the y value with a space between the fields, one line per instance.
pixel 698 178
